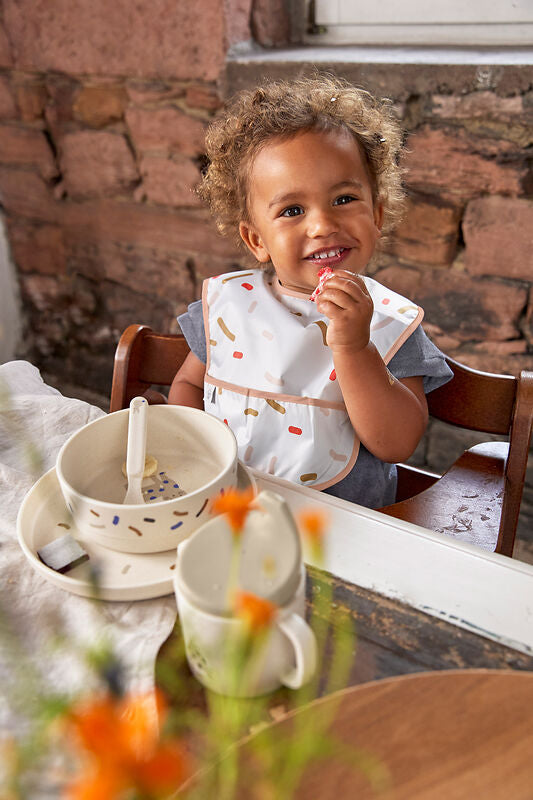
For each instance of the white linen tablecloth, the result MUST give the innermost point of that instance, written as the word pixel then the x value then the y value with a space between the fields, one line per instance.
pixel 32 608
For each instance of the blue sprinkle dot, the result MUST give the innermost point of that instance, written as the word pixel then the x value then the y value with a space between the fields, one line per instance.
pixel 166 481
pixel 152 498
pixel 149 491
pixel 176 486
pixel 161 490
pixel 173 527
pixel 115 520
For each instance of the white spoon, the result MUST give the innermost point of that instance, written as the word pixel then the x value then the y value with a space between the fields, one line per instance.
pixel 136 450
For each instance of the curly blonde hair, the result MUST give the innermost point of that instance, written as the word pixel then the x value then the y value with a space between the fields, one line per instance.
pixel 281 110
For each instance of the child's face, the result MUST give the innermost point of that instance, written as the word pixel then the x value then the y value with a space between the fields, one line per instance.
pixel 311 196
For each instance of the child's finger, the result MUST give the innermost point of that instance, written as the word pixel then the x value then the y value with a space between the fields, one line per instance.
pixel 343 290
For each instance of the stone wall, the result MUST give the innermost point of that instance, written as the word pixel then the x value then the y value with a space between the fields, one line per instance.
pixel 103 110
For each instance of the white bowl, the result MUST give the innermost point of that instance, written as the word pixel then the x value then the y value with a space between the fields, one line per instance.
pixel 194 448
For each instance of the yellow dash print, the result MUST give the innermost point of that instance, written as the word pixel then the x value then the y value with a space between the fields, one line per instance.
pixel 212 342
pixel 324 328
pixel 225 330
pixel 251 411
pixel 275 406
pixel 309 476
pixel 403 309
pixel 240 275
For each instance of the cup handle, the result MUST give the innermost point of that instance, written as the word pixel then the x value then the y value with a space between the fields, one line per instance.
pixel 303 641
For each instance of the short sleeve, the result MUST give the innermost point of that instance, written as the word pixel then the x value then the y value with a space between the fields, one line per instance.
pixel 192 326
pixel 419 356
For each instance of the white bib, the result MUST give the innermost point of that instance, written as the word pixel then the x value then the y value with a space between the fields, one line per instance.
pixel 270 374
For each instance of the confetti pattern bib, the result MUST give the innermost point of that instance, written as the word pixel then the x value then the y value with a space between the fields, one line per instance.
pixel 270 374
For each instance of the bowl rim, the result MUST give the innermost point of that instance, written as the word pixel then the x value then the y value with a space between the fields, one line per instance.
pixel 163 503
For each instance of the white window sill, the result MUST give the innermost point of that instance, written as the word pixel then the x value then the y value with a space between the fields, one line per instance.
pixel 246 53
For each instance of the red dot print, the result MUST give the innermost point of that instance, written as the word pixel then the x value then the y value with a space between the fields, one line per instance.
pixel 332 375
pixel 226 421
pixel 386 301
pixel 247 286
pixel 237 354
pixel 292 429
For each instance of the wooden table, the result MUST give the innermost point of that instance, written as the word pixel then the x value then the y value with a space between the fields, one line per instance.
pixel 434 736
pixel 422 607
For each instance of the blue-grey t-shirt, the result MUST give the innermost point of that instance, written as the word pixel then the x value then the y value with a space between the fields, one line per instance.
pixel 371 482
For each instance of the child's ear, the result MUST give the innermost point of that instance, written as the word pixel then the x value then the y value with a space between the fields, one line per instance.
pixel 253 242
pixel 378 216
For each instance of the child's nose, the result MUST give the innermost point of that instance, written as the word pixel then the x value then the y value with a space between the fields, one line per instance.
pixel 321 222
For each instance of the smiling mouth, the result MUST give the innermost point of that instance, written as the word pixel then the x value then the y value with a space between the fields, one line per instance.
pixel 322 255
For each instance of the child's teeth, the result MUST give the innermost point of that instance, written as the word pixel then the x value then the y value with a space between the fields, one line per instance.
pixel 331 254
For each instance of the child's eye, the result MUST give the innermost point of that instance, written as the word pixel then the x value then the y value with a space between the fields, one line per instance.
pixel 292 211
pixel 343 199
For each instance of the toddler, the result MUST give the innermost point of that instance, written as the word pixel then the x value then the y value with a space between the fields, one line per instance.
pixel 326 391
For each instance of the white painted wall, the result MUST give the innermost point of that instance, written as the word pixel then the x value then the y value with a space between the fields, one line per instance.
pixel 10 317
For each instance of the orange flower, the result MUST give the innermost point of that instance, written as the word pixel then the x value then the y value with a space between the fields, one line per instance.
pixel 256 612
pixel 312 523
pixel 235 505
pixel 125 753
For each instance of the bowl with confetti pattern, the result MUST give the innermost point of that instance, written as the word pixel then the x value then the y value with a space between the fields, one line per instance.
pixel 191 457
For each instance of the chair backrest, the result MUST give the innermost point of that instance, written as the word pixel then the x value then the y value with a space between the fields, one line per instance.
pixel 480 401
pixel 144 359
pixel 499 404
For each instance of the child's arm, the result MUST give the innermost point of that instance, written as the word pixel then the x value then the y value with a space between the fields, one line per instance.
pixel 388 415
pixel 188 385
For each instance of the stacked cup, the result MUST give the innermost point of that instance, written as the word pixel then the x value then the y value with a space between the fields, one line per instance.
pixel 265 561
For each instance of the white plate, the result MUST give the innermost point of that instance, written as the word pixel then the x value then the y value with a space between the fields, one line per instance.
pixel 43 517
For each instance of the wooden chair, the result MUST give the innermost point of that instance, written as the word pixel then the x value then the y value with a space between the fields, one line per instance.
pixel 476 500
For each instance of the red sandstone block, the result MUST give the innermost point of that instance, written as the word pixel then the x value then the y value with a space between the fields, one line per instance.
pixel 203 97
pixel 498 234
pixel 134 223
pixel 148 38
pixel 37 248
pixel 237 15
pixel 26 147
pixel 477 105
pixel 98 106
pixel 5 50
pixel 96 163
pixel 271 22
pixel 25 193
pixel 464 307
pixel 461 166
pixel 165 130
pixel 489 361
pixel 148 271
pixel 31 100
pixel 62 92
pixel 428 233
pixel 155 91
pixel 43 291
pixel 528 325
pixel 170 182
pixel 7 104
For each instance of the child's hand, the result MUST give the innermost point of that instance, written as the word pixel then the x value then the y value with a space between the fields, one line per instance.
pixel 345 300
